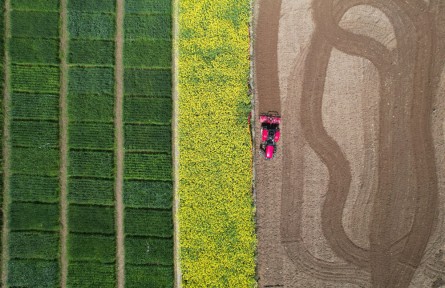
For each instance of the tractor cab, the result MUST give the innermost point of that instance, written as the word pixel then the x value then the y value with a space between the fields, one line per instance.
pixel 270 133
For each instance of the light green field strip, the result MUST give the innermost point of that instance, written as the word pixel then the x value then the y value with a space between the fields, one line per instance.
pixel 216 227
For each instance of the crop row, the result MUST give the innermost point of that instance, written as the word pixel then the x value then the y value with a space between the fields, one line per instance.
pixel 35 24
pixel 35 78
pixel 149 194
pixel 37 5
pixel 148 111
pixel 33 273
pixel 34 50
pixel 148 82
pixel 147 26
pixel 91 107
pixel 34 106
pixel 133 6
pixel 147 118
pixel 34 210
pixel 156 53
pixel 92 274
pixel 91 104
pixel 217 239
pixel 156 138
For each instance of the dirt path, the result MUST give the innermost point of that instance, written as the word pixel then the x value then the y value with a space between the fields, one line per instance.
pixel 267 90
pixel 363 171
pixel 119 136
pixel 266 56
pixel 6 143
pixel 63 143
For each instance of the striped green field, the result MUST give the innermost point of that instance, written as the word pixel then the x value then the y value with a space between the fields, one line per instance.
pixel 86 173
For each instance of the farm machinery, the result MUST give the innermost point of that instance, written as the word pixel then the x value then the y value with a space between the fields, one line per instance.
pixel 270 133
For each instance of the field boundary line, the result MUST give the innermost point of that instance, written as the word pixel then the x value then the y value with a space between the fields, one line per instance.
pixel 175 144
pixel 63 122
pixel 6 143
pixel 119 138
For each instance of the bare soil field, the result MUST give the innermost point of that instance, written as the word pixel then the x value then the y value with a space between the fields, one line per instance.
pixel 356 193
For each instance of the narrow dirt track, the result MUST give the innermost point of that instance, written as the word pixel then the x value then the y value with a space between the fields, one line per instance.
pixel 361 187
pixel 119 138
pixel 266 56
pixel 63 107
pixel 267 89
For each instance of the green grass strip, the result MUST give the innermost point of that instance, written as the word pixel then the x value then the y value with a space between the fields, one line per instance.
pixel 216 227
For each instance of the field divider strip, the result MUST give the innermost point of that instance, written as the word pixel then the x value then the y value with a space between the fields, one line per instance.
pixel 175 144
pixel 119 138
pixel 6 144
pixel 63 180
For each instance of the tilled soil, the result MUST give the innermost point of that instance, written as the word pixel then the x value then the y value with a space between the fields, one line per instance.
pixel 356 193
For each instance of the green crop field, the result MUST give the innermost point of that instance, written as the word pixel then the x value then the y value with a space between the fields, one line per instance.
pixel 75 213
pixel 86 175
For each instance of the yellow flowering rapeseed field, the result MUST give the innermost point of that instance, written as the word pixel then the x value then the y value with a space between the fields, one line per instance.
pixel 216 223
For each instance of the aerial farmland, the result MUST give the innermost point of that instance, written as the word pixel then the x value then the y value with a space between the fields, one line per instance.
pixel 229 143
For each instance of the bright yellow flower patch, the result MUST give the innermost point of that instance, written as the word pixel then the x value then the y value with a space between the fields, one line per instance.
pixel 217 237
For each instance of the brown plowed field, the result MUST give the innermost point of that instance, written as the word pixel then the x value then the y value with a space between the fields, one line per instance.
pixel 356 194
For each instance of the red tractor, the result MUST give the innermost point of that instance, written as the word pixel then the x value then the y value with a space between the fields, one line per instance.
pixel 270 133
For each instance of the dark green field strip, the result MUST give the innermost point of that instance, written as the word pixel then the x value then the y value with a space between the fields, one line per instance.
pixel 90 107
pixel 148 222
pixel 148 137
pixel 84 80
pixel 148 250
pixel 88 6
pixel 35 24
pixel 148 82
pixel 148 166
pixel 35 78
pixel 91 135
pixel 41 134
pixel 91 51
pixel 148 111
pixel 99 248
pixel 91 163
pixel 91 191
pixel 86 25
pixel 91 219
pixel 35 161
pixel 34 50
pixel 91 274
pixel 33 273
pixel 148 194
pixel 148 276
pixel 2 121
pixel 34 106
pixel 148 52
pixel 148 6
pixel 40 5
pixel 34 216
pixel 147 26
pixel 34 188
pixel 34 245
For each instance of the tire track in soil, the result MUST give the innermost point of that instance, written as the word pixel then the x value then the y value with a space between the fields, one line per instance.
pixel 267 90
pixel 63 123
pixel 266 56
pixel 119 138
pixel 413 58
pixel 6 143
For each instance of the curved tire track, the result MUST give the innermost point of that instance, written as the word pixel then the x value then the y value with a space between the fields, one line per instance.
pixel 413 58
